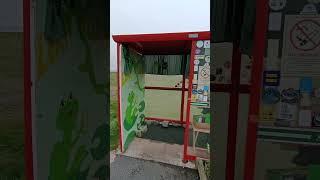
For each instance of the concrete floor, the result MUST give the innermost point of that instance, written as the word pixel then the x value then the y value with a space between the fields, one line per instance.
pixel 157 151
pixel 125 168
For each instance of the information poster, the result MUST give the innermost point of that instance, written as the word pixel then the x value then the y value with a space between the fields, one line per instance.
pixel 201 78
pixel 301 48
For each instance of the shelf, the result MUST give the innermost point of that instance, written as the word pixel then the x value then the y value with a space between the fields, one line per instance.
pixel 200 105
pixel 202 130
pixel 200 153
pixel 303 136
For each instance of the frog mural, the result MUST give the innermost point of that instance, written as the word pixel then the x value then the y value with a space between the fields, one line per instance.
pixel 132 93
pixel 62 165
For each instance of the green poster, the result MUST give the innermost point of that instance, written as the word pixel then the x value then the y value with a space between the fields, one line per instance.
pixel 132 102
pixel 70 123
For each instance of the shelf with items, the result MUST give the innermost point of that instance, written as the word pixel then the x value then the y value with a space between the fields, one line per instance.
pixel 290 135
pixel 200 104
pixel 200 153
pixel 200 124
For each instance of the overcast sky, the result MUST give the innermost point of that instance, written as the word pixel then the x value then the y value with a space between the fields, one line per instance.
pixel 11 16
pixel 133 17
pixel 156 16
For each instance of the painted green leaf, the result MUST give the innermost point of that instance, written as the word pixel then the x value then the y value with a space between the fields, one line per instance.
pixel 142 106
pixel 130 137
pixel 59 162
pixel 101 173
pixel 131 112
pixel 80 156
pixel 101 150
pixel 83 175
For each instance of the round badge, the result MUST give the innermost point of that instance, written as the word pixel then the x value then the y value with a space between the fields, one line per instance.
pixel 277 5
pixel 207 59
pixel 290 96
pixel 309 9
pixel 200 44
pixel 194 86
pixel 197 61
pixel 194 91
pixel 270 96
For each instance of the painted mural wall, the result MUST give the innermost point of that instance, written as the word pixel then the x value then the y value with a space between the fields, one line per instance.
pixel 132 104
pixel 70 130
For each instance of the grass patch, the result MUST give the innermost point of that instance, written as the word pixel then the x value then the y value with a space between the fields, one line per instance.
pixel 114 131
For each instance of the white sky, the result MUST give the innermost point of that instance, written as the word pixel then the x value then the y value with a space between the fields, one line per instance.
pixel 11 15
pixel 132 17
pixel 156 16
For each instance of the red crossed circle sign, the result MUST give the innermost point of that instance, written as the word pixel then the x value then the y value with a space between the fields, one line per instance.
pixel 305 35
pixel 205 72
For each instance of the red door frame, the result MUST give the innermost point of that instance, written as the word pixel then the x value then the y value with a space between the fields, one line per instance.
pixel 28 156
pixel 256 81
pixel 187 157
pixel 167 37
pixel 233 112
pixel 119 98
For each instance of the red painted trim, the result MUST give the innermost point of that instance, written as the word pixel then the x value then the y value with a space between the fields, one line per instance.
pixel 163 88
pixel 233 112
pixel 204 35
pixel 28 155
pixel 182 96
pixel 190 158
pixel 119 99
pixel 162 119
pixel 245 89
pixel 186 130
pixel 256 81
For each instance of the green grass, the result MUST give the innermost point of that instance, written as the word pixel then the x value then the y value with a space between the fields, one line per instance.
pixel 114 135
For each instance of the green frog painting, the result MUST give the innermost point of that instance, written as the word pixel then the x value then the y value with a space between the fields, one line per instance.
pixel 67 161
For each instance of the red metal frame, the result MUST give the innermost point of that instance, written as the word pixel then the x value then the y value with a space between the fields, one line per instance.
pixel 28 156
pixel 170 37
pixel 163 88
pixel 233 112
pixel 119 99
pixel 182 94
pixel 163 119
pixel 243 89
pixel 181 36
pixel 186 157
pixel 256 80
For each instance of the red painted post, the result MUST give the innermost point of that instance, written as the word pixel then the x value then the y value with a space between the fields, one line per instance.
pixel 186 130
pixel 233 112
pixel 119 91
pixel 27 91
pixel 256 81
pixel 182 91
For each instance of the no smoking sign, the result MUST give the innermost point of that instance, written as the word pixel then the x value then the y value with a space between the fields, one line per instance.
pixel 305 35
pixel 205 73
pixel 301 38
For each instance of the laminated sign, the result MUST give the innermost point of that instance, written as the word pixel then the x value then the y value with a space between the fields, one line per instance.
pixel 302 36
pixel 301 45
pixel 201 71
